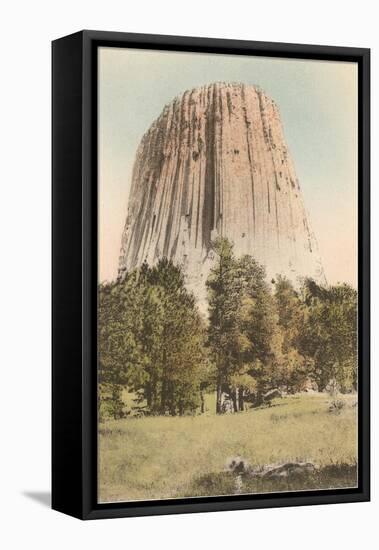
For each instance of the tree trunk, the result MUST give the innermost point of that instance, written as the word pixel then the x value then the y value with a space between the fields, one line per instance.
pixel 153 395
pixel 241 400
pixel 234 395
pixel 148 395
pixel 163 396
pixel 202 402
pixel 171 402
pixel 218 398
pixel 164 381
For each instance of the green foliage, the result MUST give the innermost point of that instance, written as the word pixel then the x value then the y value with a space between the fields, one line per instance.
pixel 154 342
pixel 151 338
pixel 329 333
pixel 225 338
pixel 258 318
pixel 293 369
pixel 244 335
pixel 111 404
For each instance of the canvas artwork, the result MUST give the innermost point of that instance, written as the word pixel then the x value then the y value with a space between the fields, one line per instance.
pixel 227 275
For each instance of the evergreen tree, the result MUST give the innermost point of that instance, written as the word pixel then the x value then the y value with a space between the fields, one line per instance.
pixel 224 298
pixel 293 368
pixel 329 333
pixel 151 340
pixel 258 321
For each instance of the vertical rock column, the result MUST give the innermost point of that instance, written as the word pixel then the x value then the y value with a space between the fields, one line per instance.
pixel 216 162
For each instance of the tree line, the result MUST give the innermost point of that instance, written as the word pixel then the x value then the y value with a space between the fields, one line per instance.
pixel 258 336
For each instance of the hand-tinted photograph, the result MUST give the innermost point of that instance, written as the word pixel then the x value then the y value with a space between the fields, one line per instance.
pixel 227 275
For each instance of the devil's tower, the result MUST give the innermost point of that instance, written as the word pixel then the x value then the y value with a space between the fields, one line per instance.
pixel 215 162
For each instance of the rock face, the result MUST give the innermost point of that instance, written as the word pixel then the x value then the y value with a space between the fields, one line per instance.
pixel 215 162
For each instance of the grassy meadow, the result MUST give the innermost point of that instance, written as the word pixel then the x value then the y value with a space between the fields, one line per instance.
pixel 171 457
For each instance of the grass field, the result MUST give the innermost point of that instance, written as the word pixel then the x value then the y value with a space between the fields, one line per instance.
pixel 166 457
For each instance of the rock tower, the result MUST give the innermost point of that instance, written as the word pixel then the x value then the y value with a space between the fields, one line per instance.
pixel 216 162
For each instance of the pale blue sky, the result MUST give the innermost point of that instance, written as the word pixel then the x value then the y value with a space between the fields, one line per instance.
pixel 318 106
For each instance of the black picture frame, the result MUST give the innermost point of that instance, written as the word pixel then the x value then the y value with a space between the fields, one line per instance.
pixel 74 272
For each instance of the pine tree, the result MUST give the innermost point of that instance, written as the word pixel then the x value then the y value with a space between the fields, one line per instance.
pixel 329 333
pixel 293 368
pixel 151 340
pixel 259 326
pixel 224 298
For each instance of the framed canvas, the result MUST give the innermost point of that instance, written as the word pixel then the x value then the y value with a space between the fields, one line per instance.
pixel 210 275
